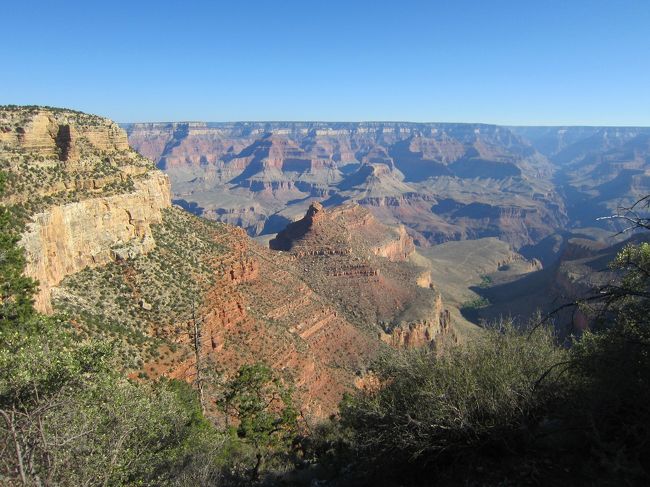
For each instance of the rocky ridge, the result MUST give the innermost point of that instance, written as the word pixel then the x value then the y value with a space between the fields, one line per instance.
pixel 425 176
pixel 350 257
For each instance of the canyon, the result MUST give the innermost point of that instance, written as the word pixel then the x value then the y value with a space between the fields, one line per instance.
pixel 536 189
pixel 185 296
pixel 369 237
pixel 442 181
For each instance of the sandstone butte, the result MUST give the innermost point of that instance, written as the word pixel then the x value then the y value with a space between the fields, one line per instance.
pixel 333 289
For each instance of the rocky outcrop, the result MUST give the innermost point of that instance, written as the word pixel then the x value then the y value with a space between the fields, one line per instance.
pixel 89 198
pixel 327 232
pixel 427 325
pixel 60 134
pixel 347 255
pixel 397 249
pixel 422 332
pixel 66 239
pixel 299 230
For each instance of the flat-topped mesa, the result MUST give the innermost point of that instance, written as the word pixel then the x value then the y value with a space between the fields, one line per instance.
pixel 89 198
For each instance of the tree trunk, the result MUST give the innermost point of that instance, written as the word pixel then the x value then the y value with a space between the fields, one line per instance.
pixel 258 466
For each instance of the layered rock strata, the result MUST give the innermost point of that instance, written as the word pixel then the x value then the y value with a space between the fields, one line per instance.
pixel 65 239
pixel 345 254
pixel 88 198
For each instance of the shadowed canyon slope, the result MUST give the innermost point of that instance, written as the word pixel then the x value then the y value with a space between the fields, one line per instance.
pixel 599 168
pixel 110 251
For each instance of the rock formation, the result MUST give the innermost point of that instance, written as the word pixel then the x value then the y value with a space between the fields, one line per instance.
pixel 348 256
pixel 90 198
pixel 59 134
pixel 65 239
pixel 442 181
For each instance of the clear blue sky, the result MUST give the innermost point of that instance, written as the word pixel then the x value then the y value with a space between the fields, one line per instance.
pixel 511 62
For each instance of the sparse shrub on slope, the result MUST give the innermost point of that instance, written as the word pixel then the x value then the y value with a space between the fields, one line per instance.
pixel 68 418
pixel 171 278
pixel 612 366
pixel 484 396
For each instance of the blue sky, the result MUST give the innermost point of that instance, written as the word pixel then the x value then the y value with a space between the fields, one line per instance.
pixel 493 61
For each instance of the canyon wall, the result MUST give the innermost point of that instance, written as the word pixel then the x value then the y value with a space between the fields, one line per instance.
pixel 65 239
pixel 428 177
pixel 86 196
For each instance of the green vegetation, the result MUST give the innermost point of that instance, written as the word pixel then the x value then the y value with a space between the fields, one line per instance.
pixel 486 281
pixel 474 396
pixel 262 404
pixel 476 303
pixel 70 419
pixel 108 300
pixel 16 291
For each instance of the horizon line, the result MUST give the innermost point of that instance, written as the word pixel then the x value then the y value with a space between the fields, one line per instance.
pixel 492 124
pixel 315 121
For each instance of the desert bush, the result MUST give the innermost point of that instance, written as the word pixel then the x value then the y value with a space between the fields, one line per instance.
pixel 611 366
pixel 261 403
pixel 69 419
pixel 482 396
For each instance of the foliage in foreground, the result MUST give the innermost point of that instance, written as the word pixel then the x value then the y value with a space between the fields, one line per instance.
pixel 70 420
pixel 511 408
pixel 261 402
pixel 480 396
pixel 66 416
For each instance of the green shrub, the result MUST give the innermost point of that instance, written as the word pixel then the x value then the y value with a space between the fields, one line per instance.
pixel 476 303
pixel 261 403
pixel 481 395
